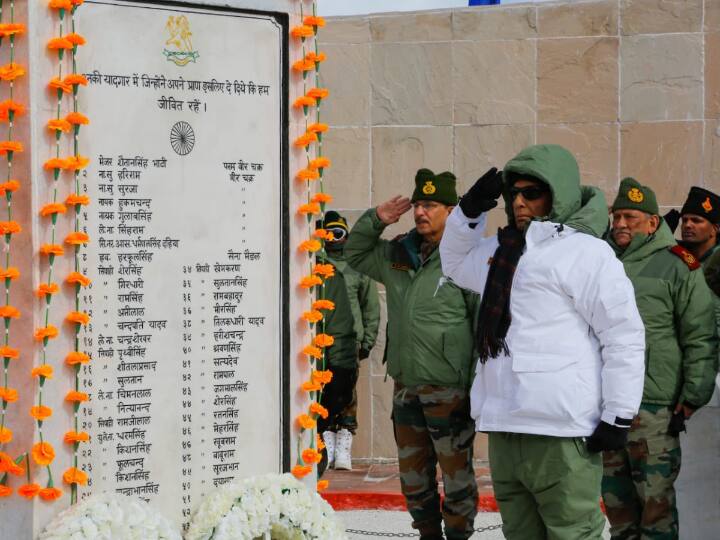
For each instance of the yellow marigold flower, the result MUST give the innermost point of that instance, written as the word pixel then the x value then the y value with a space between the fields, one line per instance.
pixel 43 453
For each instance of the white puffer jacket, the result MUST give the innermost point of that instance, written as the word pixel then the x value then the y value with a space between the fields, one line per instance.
pixel 576 340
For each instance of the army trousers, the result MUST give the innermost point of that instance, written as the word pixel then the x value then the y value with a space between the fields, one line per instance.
pixel 547 488
pixel 638 480
pixel 433 425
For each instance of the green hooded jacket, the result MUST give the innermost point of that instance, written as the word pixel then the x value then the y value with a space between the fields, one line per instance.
pixel 355 320
pixel 676 307
pixel 430 320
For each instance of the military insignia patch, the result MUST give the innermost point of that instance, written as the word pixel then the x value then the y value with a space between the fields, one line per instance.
pixel 707 205
pixel 400 266
pixel 635 195
pixel 688 258
pixel 429 188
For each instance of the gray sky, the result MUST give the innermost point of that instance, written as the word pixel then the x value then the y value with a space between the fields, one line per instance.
pixel 356 7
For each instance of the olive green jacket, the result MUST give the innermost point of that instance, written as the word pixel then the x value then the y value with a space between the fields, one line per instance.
pixel 354 321
pixel 676 307
pixel 430 320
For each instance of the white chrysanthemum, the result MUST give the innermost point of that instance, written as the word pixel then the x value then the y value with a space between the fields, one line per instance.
pixel 109 516
pixel 275 504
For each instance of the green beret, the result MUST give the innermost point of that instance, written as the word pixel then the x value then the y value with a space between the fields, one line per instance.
pixel 435 187
pixel 632 195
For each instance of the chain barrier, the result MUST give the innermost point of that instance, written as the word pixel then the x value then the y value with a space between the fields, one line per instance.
pixel 380 534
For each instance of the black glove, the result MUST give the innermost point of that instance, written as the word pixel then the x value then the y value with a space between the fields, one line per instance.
pixel 607 437
pixel 483 195
pixel 363 353
pixel 677 424
pixel 672 218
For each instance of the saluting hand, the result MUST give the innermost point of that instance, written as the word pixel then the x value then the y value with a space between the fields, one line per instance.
pixel 390 211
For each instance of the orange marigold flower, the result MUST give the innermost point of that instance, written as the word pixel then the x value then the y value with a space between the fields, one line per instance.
pixel 12 71
pixel 10 146
pixel 77 118
pixel 318 93
pixel 322 198
pixel 76 357
pixel 73 199
pixel 312 20
pixel 307 174
pixel 11 29
pixel 302 32
pixel 302 65
pixel 324 340
pixel 323 234
pixel 306 140
pixel 9 227
pixel 318 128
pixel 319 410
pixel 77 2
pixel 40 412
pixel 313 351
pixel 9 312
pixel 304 101
pixel 75 78
pixel 75 163
pixel 319 442
pixel 308 282
pixel 77 277
pixel 312 316
pixel 43 453
pixel 8 394
pixel 10 185
pixel 324 304
pixel 46 288
pixel 53 208
pixel 51 249
pixel 56 84
pixel 46 370
pixel 55 163
pixel 59 125
pixel 306 421
pixel 8 465
pixel 75 476
pixel 309 209
pixel 322 485
pixel 5 435
pixel 28 490
pixel 50 494
pixel 310 455
pixel 72 437
pixel 60 4
pixel 324 270
pixel 321 377
pixel 5 491
pixel 78 317
pixel 75 396
pixel 47 332
pixel 76 39
pixel 310 386
pixel 311 246
pixel 77 238
pixel 313 57
pixel 8 352
pixel 59 43
pixel 9 273
pixel 9 105
pixel 320 163
pixel 301 471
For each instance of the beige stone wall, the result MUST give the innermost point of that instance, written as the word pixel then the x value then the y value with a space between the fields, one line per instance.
pixel 632 87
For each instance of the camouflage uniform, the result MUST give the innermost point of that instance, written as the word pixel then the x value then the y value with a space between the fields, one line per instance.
pixel 432 424
pixel 638 480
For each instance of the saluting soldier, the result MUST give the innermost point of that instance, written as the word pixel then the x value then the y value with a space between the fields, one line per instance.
pixel 676 307
pixel 429 354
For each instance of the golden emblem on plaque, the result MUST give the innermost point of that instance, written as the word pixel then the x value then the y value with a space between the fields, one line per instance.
pixel 707 205
pixel 635 195
pixel 178 45
pixel 429 188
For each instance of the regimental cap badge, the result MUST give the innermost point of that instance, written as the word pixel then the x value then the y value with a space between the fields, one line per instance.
pixel 178 45
pixel 707 205
pixel 635 195
pixel 429 188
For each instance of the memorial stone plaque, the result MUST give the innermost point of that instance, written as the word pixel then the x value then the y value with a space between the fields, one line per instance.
pixel 188 182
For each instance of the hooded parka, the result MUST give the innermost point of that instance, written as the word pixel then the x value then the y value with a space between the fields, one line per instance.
pixel 576 341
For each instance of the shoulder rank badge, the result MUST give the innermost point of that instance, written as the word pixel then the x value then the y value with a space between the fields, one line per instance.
pixel 688 258
pixel 429 188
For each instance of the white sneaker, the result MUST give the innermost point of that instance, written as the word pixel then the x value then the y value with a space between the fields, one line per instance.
pixel 329 440
pixel 343 446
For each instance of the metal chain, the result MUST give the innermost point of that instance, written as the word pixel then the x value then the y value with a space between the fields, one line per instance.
pixel 411 535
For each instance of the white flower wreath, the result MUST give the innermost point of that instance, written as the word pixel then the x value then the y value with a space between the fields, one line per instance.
pixel 110 516
pixel 276 507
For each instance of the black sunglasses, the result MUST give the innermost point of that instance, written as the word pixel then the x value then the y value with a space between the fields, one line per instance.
pixel 338 233
pixel 529 193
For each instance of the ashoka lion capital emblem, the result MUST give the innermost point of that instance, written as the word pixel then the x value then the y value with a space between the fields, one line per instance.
pixel 178 46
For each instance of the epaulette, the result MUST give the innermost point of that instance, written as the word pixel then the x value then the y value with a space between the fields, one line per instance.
pixel 688 258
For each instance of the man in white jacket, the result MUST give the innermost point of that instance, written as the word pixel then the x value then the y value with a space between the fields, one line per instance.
pixel 560 340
